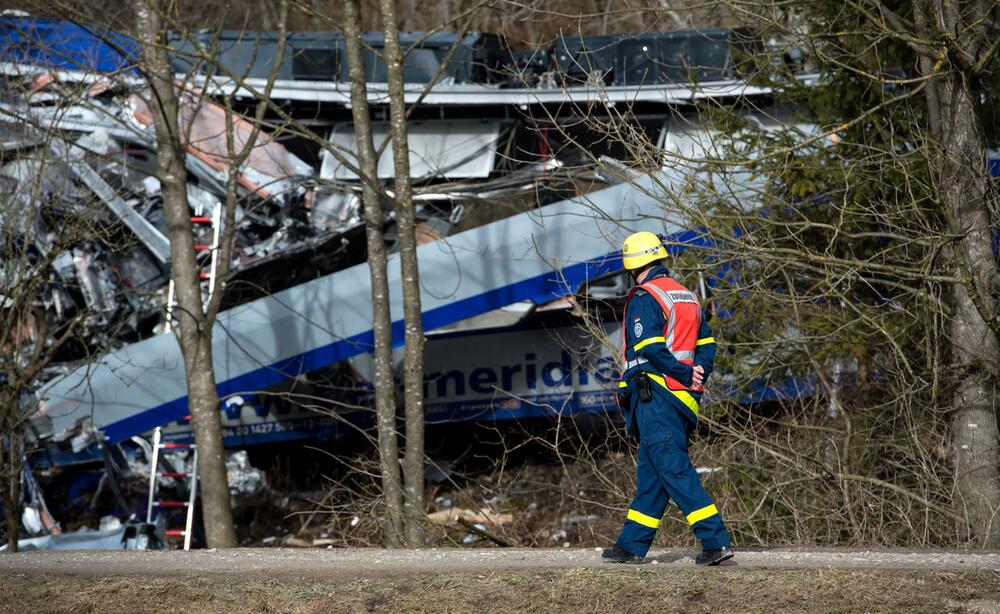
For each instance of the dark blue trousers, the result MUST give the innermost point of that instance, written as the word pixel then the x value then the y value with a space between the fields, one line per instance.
pixel 665 472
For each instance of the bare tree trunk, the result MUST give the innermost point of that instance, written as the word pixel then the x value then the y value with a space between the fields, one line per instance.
pixel 385 397
pixel 966 194
pixel 964 189
pixel 413 361
pixel 195 330
pixel 11 489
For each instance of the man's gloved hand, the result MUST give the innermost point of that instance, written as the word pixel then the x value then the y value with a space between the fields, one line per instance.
pixel 644 388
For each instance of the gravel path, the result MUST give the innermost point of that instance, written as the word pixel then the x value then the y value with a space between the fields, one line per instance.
pixel 345 564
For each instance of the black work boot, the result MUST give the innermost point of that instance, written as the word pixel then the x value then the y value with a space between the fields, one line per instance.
pixel 617 554
pixel 714 557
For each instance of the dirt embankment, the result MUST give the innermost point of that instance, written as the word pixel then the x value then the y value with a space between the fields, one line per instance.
pixel 607 589
pixel 496 580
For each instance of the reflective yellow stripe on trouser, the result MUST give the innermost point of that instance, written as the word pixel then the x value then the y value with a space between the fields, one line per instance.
pixel 682 395
pixel 706 512
pixel 644 520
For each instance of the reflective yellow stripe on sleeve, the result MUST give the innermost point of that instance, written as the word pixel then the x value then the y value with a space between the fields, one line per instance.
pixel 623 384
pixel 682 395
pixel 645 342
pixel 706 512
pixel 705 341
pixel 644 520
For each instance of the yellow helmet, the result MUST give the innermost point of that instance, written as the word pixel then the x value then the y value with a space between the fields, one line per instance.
pixel 641 248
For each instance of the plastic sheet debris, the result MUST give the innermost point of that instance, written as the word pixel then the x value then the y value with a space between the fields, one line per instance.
pixel 31 518
pixel 110 523
pixel 79 540
pixel 438 472
pixel 470 538
pixel 568 521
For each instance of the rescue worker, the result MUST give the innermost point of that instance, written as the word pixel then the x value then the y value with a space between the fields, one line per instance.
pixel 668 353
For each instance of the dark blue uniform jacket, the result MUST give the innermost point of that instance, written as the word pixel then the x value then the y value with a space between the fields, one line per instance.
pixel 665 415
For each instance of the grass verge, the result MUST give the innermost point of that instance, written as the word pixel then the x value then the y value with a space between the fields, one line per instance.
pixel 572 590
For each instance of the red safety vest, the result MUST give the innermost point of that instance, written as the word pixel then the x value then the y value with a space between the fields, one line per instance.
pixel 682 312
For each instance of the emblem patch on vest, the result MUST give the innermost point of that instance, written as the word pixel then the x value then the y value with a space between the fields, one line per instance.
pixel 637 329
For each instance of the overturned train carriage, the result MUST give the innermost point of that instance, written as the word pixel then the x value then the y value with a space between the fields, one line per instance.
pixel 521 205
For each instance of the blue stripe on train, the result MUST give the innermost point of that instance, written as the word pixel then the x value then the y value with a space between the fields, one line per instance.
pixel 541 288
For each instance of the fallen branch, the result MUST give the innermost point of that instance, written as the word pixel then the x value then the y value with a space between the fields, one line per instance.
pixel 484 533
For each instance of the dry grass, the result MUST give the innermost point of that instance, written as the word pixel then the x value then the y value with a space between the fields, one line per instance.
pixel 573 590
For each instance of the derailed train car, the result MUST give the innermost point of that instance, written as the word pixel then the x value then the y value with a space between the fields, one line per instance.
pixel 503 201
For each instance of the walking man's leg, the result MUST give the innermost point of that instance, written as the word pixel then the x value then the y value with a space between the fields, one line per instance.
pixel 644 513
pixel 681 481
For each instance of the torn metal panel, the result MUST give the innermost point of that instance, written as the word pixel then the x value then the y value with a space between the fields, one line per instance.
pixel 97 288
pixel 145 231
pixel 268 167
pixel 458 149
pixel 80 120
pixel 38 179
pixel 334 210
pixel 14 137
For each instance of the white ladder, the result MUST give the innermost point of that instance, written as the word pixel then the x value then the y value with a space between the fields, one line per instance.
pixel 215 221
pixel 155 473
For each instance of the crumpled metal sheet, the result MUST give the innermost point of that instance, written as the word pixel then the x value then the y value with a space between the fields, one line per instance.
pixel 245 481
pixel 267 170
pixel 73 155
